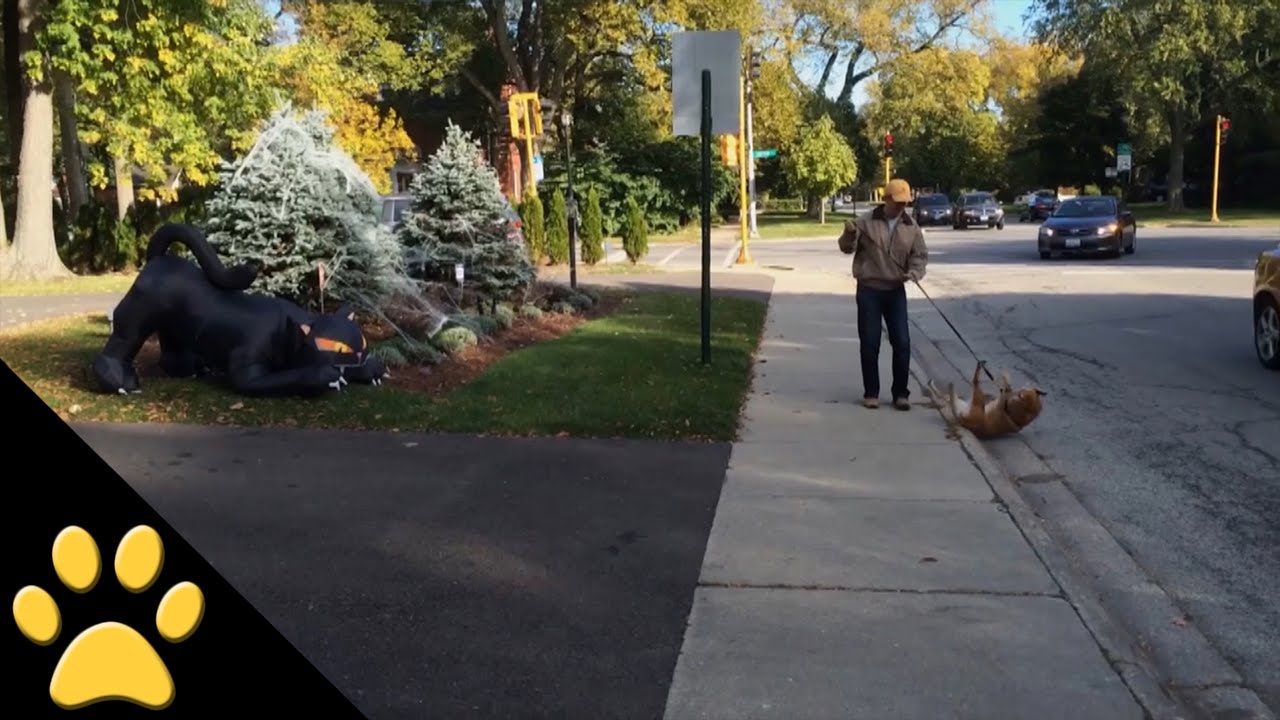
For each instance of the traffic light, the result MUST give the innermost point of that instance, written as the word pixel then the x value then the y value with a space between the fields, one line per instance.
pixel 888 144
pixel 1224 127
pixel 755 66
pixel 729 150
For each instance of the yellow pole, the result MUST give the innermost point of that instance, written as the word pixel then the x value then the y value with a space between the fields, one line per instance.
pixel 887 160
pixel 744 256
pixel 533 180
pixel 1217 151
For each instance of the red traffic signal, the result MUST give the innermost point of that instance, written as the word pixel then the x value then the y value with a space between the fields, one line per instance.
pixel 1224 127
pixel 888 143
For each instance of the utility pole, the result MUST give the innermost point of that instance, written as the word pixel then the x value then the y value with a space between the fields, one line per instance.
pixel 566 122
pixel 1222 127
pixel 744 255
pixel 752 74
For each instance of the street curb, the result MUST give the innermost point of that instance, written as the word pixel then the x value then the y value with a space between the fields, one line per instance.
pixel 1112 595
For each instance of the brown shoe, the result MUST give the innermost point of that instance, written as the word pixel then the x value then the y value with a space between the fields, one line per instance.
pixel 871 403
pixel 902 403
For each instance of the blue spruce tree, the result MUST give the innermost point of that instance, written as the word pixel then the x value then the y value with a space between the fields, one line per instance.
pixel 458 215
pixel 295 200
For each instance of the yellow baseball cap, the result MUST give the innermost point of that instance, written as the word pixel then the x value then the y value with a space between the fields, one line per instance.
pixel 898 191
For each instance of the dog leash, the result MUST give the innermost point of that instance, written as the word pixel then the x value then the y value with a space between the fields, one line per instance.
pixel 953 329
pixel 951 325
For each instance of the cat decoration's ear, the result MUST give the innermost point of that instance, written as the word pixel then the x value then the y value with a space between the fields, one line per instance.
pixel 305 328
pixel 345 310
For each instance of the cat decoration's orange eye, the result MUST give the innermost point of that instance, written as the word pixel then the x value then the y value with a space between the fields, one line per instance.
pixel 328 345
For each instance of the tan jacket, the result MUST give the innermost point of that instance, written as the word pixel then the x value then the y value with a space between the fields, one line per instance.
pixel 880 261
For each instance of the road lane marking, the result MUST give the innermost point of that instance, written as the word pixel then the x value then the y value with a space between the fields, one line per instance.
pixel 671 256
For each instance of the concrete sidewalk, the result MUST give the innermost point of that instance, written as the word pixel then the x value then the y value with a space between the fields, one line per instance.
pixel 860 566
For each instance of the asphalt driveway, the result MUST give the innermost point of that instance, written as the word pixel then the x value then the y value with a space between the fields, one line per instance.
pixel 448 576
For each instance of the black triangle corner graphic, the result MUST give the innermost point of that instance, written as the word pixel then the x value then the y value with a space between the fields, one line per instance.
pixel 233 664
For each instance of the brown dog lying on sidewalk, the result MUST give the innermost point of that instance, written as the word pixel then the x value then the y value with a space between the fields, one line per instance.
pixel 987 417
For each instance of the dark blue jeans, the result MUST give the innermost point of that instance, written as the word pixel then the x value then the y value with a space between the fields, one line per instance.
pixel 891 306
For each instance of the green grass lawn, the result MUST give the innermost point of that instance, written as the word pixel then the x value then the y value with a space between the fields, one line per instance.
pixel 78 285
pixel 634 373
pixel 772 226
pixel 1154 214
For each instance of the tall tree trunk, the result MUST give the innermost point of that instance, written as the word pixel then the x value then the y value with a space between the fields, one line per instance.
pixel 14 83
pixel 72 161
pixel 34 255
pixel 1177 141
pixel 124 187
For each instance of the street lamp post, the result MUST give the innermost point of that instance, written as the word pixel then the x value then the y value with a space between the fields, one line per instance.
pixel 566 121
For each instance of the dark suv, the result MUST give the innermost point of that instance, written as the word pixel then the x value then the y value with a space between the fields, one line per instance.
pixel 977 208
pixel 932 209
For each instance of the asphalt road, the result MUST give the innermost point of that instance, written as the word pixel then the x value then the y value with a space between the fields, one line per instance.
pixel 448 576
pixel 1159 415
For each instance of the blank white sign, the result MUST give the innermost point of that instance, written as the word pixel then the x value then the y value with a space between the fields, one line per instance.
pixel 691 53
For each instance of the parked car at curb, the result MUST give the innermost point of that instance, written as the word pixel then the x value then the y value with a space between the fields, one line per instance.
pixel 1085 225
pixel 978 208
pixel 1266 308
pixel 932 209
pixel 393 209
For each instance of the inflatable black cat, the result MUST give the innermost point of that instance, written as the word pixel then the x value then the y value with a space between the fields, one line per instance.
pixel 208 325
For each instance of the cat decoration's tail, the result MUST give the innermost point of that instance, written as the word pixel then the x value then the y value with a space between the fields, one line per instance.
pixel 239 277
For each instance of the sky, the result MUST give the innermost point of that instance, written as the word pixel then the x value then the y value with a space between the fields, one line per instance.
pixel 1007 15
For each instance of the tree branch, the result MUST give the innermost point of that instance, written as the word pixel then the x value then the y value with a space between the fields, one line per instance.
pixel 496 10
pixel 474 81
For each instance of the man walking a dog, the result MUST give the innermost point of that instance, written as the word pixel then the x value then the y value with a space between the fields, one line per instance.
pixel 888 251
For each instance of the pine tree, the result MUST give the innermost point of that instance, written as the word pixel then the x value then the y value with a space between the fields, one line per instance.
pixel 592 229
pixel 295 200
pixel 458 215
pixel 558 229
pixel 534 228
pixel 635 234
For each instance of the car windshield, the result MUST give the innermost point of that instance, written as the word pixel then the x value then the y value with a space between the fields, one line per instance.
pixel 1086 207
pixel 976 200
pixel 933 200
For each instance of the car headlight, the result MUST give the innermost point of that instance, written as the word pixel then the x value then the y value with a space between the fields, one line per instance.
pixel 1047 232
pixel 1107 229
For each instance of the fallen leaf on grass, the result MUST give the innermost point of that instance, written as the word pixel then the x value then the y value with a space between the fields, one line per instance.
pixel 237 406
pixel 562 434
pixel 74 409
